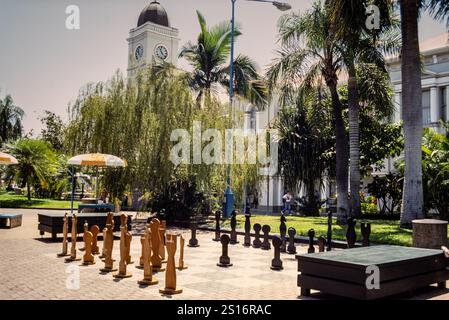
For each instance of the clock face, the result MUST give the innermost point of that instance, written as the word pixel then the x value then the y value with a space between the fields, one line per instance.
pixel 139 52
pixel 161 52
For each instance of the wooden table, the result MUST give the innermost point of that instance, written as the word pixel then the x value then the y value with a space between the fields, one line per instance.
pixel 344 272
pixel 104 207
pixel 15 220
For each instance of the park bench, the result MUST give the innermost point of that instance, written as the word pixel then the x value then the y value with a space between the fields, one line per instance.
pixel 8 220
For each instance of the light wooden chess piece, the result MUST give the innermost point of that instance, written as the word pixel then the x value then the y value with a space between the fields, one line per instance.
pixel 108 248
pixel 142 255
pixel 181 265
pixel 109 220
pixel 95 230
pixel 170 274
pixel 128 238
pixel 65 231
pixel 148 278
pixel 73 240
pixel 124 250
pixel 88 237
pixel 156 259
pixel 162 229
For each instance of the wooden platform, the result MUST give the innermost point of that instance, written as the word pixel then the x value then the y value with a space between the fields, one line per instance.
pixel 343 272
pixel 52 222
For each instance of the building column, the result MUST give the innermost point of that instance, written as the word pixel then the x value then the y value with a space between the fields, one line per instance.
pixel 397 107
pixel 434 105
pixel 447 103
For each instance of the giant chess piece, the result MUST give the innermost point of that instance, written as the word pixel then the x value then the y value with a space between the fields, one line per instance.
pixel 88 238
pixel 142 253
pixel 256 242
pixel 276 263
pixel 266 242
pixel 329 231
pixel 233 226
pixel 109 220
pixel 351 236
pixel 193 242
pixel 65 231
pixel 74 235
pixel 217 225
pixel 156 260
pixel 85 229
pixel 321 243
pixel 291 249
pixel 311 235
pixel 128 238
pixel 95 230
pixel 162 229
pixel 108 245
pixel 124 250
pixel 366 232
pixel 247 239
pixel 283 231
pixel 170 274
pixel 181 264
pixel 148 278
pixel 224 261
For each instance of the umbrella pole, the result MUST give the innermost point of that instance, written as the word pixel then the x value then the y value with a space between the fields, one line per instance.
pixel 73 190
pixel 96 187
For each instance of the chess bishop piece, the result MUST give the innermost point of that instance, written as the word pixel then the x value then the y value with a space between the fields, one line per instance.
pixel 108 244
pixel 170 274
pixel 65 231
pixel 88 237
pixel 181 264
pixel 148 278
pixel 156 260
pixel 217 225
pixel 256 242
pixel 276 263
pixel 291 249
pixel 125 241
pixel 74 235
pixel 224 261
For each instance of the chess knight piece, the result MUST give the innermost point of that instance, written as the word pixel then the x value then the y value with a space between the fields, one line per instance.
pixel 125 241
pixel 148 278
pixel 73 240
pixel 95 230
pixel 65 231
pixel 170 274
pixel 88 238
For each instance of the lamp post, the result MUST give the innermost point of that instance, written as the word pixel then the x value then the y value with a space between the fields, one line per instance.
pixel 229 196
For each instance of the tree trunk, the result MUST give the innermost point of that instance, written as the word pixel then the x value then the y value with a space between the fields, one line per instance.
pixel 28 191
pixel 412 201
pixel 341 156
pixel 354 144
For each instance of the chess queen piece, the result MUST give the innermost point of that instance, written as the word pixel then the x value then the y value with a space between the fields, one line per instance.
pixel 256 242
pixel 170 274
pixel 95 230
pixel 266 242
pixel 247 239
pixel 217 225
pixel 224 261
pixel 233 227
pixel 65 231
pixel 291 249
pixel 74 235
pixel 124 250
pixel 148 278
pixel 276 263
pixel 181 264
pixel 351 236
pixel 108 245
pixel 156 260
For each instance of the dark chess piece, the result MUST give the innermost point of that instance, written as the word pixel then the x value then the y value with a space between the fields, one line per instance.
pixel 193 242
pixel 276 263
pixel 329 231
pixel 321 243
pixel 224 261
pixel 217 225
pixel 266 243
pixel 291 249
pixel 283 231
pixel 256 242
pixel 351 236
pixel 247 241
pixel 311 234
pixel 366 232
pixel 233 226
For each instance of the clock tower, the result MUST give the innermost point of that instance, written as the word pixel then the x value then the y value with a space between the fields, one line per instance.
pixel 152 39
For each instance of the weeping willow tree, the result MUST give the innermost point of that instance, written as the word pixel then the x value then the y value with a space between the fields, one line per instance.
pixel 134 120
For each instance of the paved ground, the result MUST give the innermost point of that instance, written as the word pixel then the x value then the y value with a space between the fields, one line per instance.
pixel 30 270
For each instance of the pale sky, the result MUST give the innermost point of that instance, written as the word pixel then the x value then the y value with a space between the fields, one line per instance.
pixel 43 65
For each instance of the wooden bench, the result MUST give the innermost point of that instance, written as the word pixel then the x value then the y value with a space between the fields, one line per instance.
pixel 8 220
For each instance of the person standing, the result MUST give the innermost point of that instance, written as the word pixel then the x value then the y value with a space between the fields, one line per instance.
pixel 287 199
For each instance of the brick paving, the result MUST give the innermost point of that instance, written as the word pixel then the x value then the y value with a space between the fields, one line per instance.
pixel 29 269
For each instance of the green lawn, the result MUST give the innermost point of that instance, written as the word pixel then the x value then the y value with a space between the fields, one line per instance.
pixel 11 200
pixel 382 231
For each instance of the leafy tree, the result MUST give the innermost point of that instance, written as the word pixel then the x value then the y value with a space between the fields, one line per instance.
pixel 53 130
pixel 388 189
pixel 10 120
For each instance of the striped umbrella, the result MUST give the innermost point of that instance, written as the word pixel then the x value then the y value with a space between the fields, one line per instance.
pixel 7 159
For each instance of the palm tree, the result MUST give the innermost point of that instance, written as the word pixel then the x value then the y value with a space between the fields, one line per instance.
pixel 10 120
pixel 36 160
pixel 209 57
pixel 310 55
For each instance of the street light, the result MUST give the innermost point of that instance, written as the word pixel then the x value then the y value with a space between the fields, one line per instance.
pixel 229 196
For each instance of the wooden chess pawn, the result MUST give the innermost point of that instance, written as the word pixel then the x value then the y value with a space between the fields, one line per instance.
pixel 88 258
pixel 217 226
pixel 124 250
pixel 65 231
pixel 170 274
pixel 311 248
pixel 142 255
pixel 321 243
pixel 266 242
pixel 156 260
pixel 74 234
pixel 291 249
pixel 148 278
pixel 95 230
pixel 108 244
pixel 224 261
pixel 162 228
pixel 276 263
pixel 181 264
pixel 256 242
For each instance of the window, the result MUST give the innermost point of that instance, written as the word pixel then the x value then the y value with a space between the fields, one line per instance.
pixel 426 107
pixel 252 119
pixel 444 104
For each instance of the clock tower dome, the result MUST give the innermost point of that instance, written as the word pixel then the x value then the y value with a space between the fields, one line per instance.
pixel 152 39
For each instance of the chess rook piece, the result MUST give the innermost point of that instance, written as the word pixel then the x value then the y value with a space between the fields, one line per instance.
pixel 170 274
pixel 88 238
pixel 108 244
pixel 276 263
pixel 256 242
pixel 366 231
pixel 351 236
pixel 109 220
pixel 162 228
pixel 291 249
pixel 233 226
pixel 321 243
pixel 193 242
pixel 266 243
pixel 142 254
pixel 181 264
pixel 124 250
pixel 329 231
pixel 283 231
pixel 148 278
pixel 65 231
pixel 73 240
pixel 217 226
pixel 156 260
pixel 247 239
pixel 95 230
pixel 224 260
pixel 311 234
